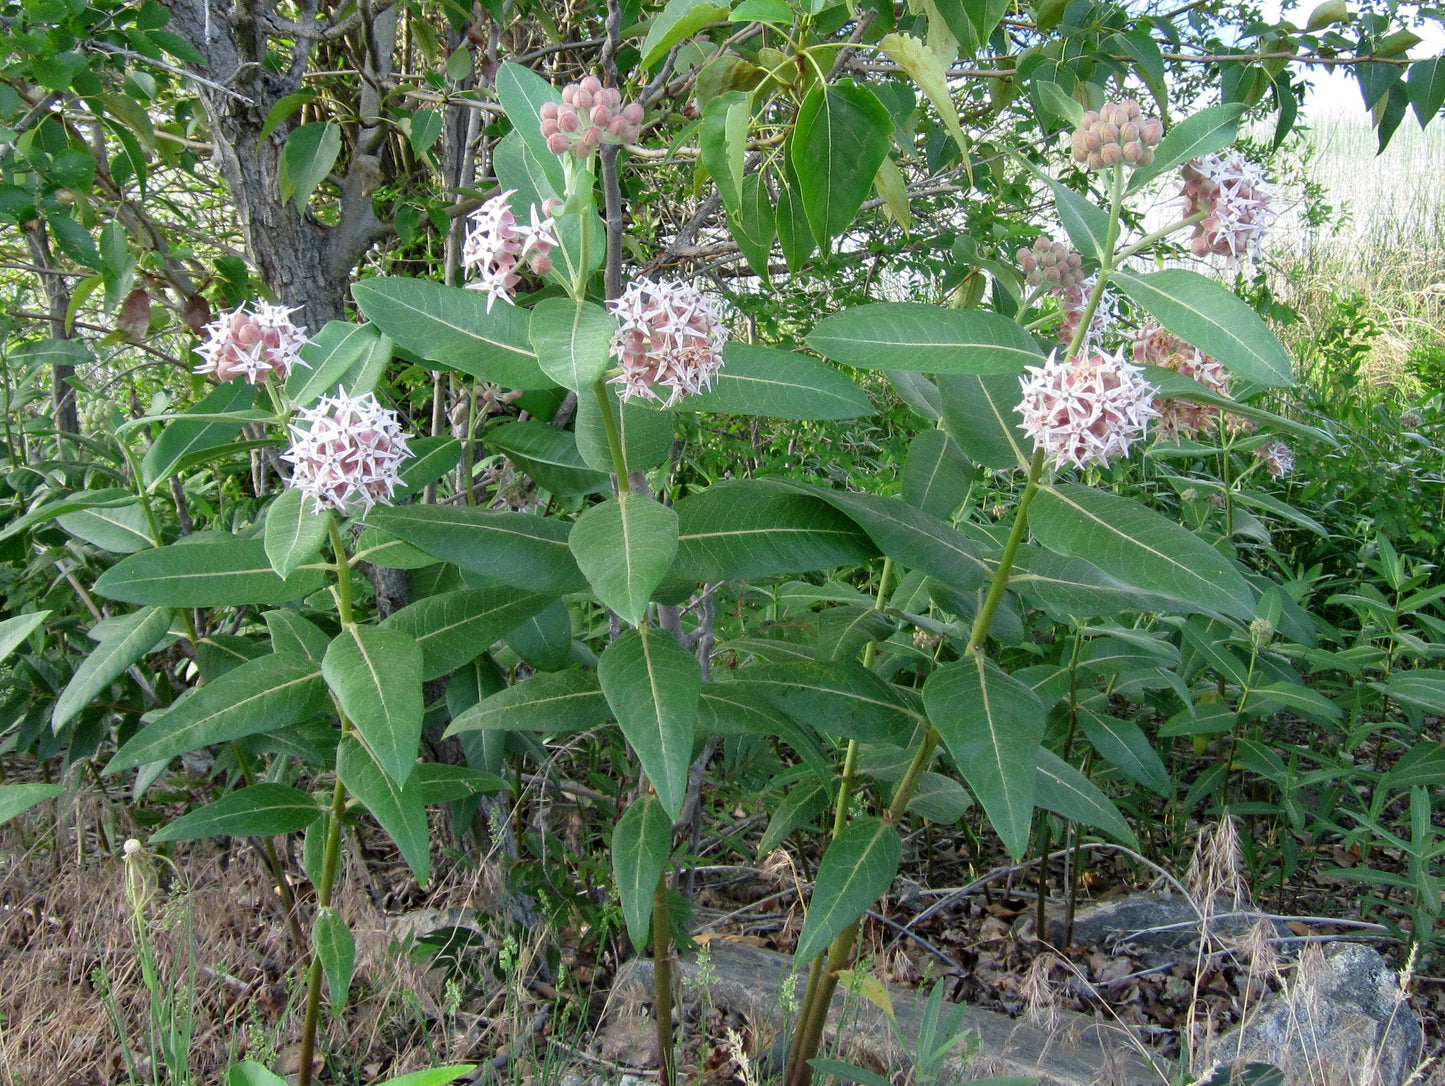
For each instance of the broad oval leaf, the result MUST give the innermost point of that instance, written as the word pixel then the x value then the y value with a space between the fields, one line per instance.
pixel 375 674
pixel 936 474
pixel 522 93
pixel 310 152
pixel 1205 132
pixel 838 698
pixel 992 725
pixel 109 660
pixel 336 947
pixel 857 868
pixel 625 546
pixel 454 627
pixel 220 573
pixel 549 456
pixel 678 20
pixel 778 384
pixel 549 703
pixel 1217 321
pixel 751 529
pixel 514 548
pixel 1064 790
pixel 1139 547
pixel 296 527
pixel 452 326
pixel 16 799
pixel 653 684
pixel 261 695
pixel 1086 224
pixel 262 810
pixel 401 810
pixel 187 441
pixel 641 847
pixel 646 432
pixel 343 354
pixel 14 631
pixel 1126 747
pixel 979 414
pixel 572 341
pixel 841 137
pixel 121 529
pixel 926 339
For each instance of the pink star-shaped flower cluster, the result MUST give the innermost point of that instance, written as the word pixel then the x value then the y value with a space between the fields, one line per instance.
pixel 252 343
pixel 670 335
pixel 1072 301
pixel 1086 410
pixel 1236 198
pixel 1277 457
pixel 347 448
pixel 496 247
pixel 1178 419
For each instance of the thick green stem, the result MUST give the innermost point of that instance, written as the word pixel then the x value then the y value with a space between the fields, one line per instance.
pixel 331 855
pixel 614 434
pixel 662 982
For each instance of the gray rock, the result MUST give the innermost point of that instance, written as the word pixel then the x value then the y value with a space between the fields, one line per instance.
pixel 1157 928
pixel 751 982
pixel 1342 1021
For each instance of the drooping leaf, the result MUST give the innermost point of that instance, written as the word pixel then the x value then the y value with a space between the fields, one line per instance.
pixel 936 474
pixel 549 703
pixel 549 456
pixel 1126 746
pixel 452 326
pixel 837 698
pixel 927 70
pixel 722 143
pixel 1426 85
pixel 1064 790
pixel 755 227
pixel 572 341
pixel 221 573
pixel 261 810
pixel 336 947
pixel 1209 130
pixel 778 384
pixel 991 724
pixel 454 627
pixel 401 810
pixel 341 354
pixel 653 684
pixel 14 631
pixel 1139 547
pixel 840 139
pixel 678 20
pixel 1074 588
pixel 122 529
pixel 16 799
pixel 1212 318
pixel 641 847
pixel 751 529
pixel 857 868
pixel 296 527
pixel 625 546
pixel 376 675
pixel 513 548
pixel 297 636
pixel 522 93
pixel 184 441
pixel 311 151
pixel 109 660
pixel 979 414
pixel 924 338
pixel 261 695
pixel 1086 223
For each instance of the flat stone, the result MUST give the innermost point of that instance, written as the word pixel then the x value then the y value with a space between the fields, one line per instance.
pixel 750 982
pixel 1157 928
pixel 1342 1020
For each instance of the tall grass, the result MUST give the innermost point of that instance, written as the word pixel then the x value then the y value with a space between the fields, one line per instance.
pixel 1366 233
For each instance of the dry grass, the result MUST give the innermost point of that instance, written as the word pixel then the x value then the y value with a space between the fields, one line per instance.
pixel 66 937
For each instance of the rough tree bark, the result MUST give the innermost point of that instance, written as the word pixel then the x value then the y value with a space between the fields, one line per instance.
pixel 304 262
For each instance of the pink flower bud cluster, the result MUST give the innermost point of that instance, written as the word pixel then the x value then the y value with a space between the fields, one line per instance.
pixel 1052 264
pixel 1277 457
pixel 496 247
pixel 1117 132
pixel 252 343
pixel 1085 410
pixel 347 448
pixel 669 334
pixel 1236 199
pixel 1178 418
pixel 589 116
